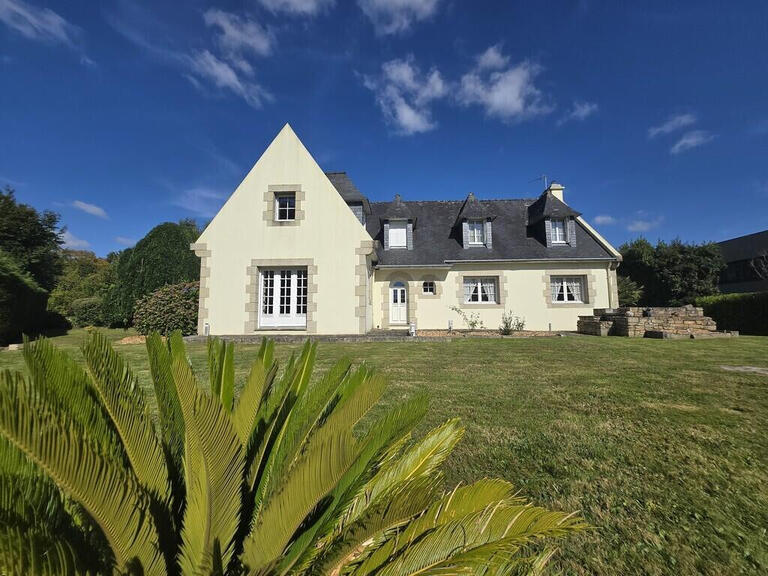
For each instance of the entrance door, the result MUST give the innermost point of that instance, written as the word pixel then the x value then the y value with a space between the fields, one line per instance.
pixel 283 298
pixel 398 307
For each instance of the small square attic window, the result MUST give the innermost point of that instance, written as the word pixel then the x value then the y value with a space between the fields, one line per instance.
pixel 398 236
pixel 285 206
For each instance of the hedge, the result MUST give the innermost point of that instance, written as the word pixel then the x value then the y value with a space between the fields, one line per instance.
pixel 172 307
pixel 747 313
pixel 88 311
pixel 22 302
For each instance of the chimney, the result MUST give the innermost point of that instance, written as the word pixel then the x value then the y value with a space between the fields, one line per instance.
pixel 556 190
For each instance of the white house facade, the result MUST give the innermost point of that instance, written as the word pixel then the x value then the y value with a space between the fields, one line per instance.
pixel 298 250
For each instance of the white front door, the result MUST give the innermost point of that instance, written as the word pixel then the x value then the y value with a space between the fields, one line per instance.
pixel 398 307
pixel 283 298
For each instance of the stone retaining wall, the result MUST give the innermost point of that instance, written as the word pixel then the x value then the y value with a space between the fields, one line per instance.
pixel 636 322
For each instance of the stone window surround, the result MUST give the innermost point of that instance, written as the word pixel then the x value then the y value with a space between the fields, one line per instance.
pixel 589 288
pixel 363 281
pixel 269 199
pixel 501 289
pixel 429 278
pixel 252 288
pixel 412 287
pixel 201 250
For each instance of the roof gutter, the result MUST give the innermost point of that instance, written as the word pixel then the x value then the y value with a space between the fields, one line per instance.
pixel 531 260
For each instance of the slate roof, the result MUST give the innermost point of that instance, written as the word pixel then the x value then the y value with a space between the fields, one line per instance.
pixel 744 247
pixel 549 206
pixel 396 210
pixel 473 209
pixel 436 239
pixel 347 189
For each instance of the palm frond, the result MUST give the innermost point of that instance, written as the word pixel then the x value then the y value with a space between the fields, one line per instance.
pixel 213 463
pixel 311 479
pixel 110 495
pixel 171 419
pixel 25 552
pixel 246 412
pixel 222 370
pixel 124 401
pixel 66 387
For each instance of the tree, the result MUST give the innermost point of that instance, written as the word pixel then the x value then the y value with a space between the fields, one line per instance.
pixel 672 274
pixel 22 301
pixel 31 238
pixel 279 480
pixel 161 257
pixel 759 265
pixel 84 276
pixel 630 292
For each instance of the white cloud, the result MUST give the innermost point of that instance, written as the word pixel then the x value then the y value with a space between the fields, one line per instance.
pixel 405 95
pixel 91 209
pixel 503 91
pixel 125 241
pixel 671 124
pixel 394 16
pixel 692 139
pixel 492 59
pixel 297 7
pixel 238 36
pixel 206 66
pixel 200 200
pixel 644 224
pixel 73 242
pixel 605 220
pixel 579 112
pixel 36 23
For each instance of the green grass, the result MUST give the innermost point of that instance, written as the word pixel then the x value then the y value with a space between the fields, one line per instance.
pixel 663 452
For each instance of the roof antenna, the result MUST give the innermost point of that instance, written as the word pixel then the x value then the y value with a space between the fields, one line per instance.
pixel 543 177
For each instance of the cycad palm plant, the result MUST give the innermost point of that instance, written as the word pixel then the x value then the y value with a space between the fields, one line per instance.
pixel 278 480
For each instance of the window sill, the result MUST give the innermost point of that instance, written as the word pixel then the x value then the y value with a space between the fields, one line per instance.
pixel 483 304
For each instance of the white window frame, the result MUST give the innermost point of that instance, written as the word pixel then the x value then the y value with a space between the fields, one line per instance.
pixel 570 288
pixel 283 297
pixel 287 209
pixel 401 227
pixel 485 288
pixel 559 231
pixel 429 287
pixel 476 232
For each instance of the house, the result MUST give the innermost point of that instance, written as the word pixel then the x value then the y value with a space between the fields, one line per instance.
pixel 746 259
pixel 298 249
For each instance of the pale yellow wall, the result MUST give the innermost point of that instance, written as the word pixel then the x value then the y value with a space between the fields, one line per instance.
pixel 524 290
pixel 329 234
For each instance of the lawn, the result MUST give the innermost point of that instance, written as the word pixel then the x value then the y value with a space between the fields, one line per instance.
pixel 662 451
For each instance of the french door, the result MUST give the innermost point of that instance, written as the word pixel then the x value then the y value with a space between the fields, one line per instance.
pixel 283 298
pixel 398 307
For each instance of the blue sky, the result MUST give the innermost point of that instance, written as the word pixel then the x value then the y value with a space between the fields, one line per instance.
pixel 125 113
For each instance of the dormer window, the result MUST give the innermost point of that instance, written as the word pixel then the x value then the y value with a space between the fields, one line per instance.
pixel 398 234
pixel 476 229
pixel 559 231
pixel 285 206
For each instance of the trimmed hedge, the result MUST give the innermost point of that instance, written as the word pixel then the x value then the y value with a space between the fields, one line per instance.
pixel 747 313
pixel 22 302
pixel 88 311
pixel 172 307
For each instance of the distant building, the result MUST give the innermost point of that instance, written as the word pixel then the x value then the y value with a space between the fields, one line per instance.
pixel 743 256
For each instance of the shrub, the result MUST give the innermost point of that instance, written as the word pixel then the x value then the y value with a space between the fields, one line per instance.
pixel 471 321
pixel 747 313
pixel 87 311
pixel 630 292
pixel 161 257
pixel 22 302
pixel 511 323
pixel 172 307
pixel 278 480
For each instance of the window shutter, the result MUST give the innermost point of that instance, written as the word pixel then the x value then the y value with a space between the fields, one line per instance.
pixel 465 233
pixel 409 236
pixel 548 231
pixel 386 235
pixel 571 230
pixel 488 235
